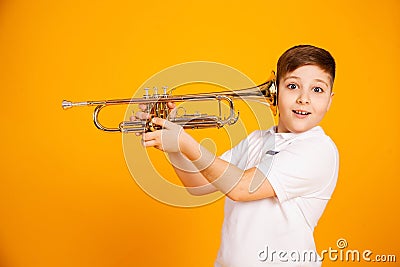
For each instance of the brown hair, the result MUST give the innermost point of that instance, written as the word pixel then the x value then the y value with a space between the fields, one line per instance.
pixel 302 55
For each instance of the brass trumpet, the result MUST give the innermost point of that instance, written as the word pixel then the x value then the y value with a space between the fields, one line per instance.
pixel 157 107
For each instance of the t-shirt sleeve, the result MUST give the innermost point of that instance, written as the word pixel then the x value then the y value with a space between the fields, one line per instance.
pixel 304 168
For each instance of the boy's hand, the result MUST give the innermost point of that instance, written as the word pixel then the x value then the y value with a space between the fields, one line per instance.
pixel 167 139
pixel 143 115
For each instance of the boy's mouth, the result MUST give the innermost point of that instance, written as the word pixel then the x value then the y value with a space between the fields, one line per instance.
pixel 301 112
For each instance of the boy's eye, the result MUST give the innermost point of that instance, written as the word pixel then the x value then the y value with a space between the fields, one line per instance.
pixel 318 89
pixel 292 86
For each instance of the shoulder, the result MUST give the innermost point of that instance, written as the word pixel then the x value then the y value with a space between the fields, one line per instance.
pixel 314 141
pixel 254 137
pixel 312 152
pixel 252 143
pixel 257 134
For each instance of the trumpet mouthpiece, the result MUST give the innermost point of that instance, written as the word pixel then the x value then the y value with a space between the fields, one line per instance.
pixel 66 104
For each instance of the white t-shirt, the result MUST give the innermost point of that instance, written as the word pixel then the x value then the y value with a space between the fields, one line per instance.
pixel 302 169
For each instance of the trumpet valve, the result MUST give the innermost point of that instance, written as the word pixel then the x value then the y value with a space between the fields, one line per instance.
pixel 165 91
pixel 155 95
pixel 146 92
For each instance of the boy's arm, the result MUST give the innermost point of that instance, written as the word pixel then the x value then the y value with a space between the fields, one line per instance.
pixel 237 184
pixel 195 183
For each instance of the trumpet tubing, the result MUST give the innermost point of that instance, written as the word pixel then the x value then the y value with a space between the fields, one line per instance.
pixel 156 106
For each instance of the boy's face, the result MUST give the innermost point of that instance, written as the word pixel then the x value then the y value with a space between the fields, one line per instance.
pixel 305 95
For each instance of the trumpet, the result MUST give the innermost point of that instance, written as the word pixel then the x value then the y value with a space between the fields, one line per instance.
pixel 156 106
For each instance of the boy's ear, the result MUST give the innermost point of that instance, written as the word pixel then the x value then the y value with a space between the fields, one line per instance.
pixel 330 101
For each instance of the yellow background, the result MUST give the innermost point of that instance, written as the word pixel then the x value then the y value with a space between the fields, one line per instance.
pixel 66 195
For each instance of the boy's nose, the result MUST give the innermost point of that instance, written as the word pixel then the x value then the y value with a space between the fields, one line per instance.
pixel 303 99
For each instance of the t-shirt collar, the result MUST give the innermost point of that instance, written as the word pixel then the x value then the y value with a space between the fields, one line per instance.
pixel 273 129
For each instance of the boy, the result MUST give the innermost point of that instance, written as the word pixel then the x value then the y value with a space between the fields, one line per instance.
pixel 277 181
